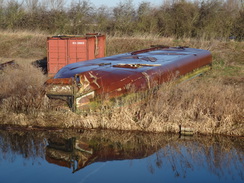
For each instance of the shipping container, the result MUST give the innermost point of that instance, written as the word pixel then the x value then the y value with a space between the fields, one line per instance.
pixel 64 50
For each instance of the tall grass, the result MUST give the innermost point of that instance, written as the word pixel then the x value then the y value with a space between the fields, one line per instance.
pixel 206 106
pixel 210 104
pixel 22 44
pixel 22 89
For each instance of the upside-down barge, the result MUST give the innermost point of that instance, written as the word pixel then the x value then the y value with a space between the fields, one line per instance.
pixel 109 77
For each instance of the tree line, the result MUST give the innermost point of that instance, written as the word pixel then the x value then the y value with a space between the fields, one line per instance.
pixel 219 19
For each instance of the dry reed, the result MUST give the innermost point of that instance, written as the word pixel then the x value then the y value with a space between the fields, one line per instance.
pixel 22 89
pixel 212 104
pixel 206 107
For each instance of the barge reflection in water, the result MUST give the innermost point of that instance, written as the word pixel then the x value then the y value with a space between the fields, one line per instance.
pixel 95 156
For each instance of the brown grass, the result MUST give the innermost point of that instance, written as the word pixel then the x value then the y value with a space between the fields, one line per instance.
pixel 22 89
pixel 22 44
pixel 211 104
pixel 205 106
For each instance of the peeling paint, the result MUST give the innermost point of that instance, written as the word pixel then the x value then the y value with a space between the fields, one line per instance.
pixel 147 79
pixel 95 79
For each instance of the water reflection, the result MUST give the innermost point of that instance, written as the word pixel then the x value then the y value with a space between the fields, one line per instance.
pixel 221 156
pixel 27 144
pixel 80 151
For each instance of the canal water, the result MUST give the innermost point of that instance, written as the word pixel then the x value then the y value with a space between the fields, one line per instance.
pixel 111 156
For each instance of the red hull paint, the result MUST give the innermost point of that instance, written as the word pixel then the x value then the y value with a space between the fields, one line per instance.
pixel 121 74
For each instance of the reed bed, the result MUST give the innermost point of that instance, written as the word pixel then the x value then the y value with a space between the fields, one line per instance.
pixel 22 89
pixel 208 107
pixel 22 44
pixel 212 104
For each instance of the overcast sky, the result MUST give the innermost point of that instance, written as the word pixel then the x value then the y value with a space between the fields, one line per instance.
pixel 112 3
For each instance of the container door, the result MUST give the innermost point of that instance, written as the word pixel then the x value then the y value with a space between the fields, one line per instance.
pixel 77 50
pixel 101 47
pixel 57 55
pixel 91 48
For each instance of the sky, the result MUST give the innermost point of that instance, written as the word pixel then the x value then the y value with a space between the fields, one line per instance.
pixel 113 3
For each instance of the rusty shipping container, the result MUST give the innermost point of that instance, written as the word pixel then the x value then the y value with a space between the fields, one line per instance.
pixel 114 76
pixel 64 50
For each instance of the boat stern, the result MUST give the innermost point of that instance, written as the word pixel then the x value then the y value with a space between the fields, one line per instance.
pixel 71 90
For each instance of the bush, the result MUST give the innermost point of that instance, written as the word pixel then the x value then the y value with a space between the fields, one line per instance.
pixel 177 19
pixel 22 89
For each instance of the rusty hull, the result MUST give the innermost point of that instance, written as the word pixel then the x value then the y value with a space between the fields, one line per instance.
pixel 109 77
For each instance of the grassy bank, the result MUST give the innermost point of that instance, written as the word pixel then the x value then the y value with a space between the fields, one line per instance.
pixel 212 104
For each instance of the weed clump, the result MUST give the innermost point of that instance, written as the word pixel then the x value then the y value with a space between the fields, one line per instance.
pixel 208 106
pixel 211 104
pixel 22 89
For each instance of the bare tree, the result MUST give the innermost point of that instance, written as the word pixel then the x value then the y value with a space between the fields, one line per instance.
pixel 56 4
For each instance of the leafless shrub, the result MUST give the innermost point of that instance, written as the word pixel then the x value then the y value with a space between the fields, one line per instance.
pixel 212 104
pixel 172 19
pixel 22 89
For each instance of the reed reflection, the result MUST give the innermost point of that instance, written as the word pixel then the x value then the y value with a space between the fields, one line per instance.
pixel 219 155
pixel 222 156
pixel 30 145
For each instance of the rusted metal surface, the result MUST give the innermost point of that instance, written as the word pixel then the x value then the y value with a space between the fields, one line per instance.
pixel 63 50
pixel 121 74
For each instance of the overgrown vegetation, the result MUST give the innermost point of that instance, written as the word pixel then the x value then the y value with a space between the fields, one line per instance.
pixel 182 18
pixel 210 104
pixel 22 89
pixel 205 105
